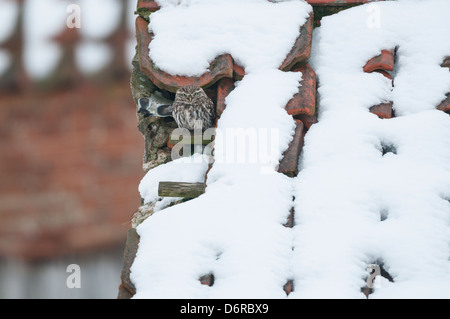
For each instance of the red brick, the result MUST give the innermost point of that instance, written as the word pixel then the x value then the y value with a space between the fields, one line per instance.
pixel 384 61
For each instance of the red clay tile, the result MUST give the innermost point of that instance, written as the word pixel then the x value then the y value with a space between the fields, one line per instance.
pixel 288 287
pixel 384 61
pixel 385 73
pixel 221 67
pixel 224 87
pixel 307 120
pixel 446 63
pixel 150 5
pixel 301 50
pixel 289 163
pixel 207 280
pixel 304 102
pixel 383 110
pixel 239 72
pixel 445 105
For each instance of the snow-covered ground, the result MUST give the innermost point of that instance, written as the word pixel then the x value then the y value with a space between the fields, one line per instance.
pixel 353 206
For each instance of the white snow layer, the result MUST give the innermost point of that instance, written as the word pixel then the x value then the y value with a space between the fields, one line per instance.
pixel 353 206
pixel 198 31
pixel 345 183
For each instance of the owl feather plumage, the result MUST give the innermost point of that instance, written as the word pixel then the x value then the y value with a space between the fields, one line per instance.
pixel 193 109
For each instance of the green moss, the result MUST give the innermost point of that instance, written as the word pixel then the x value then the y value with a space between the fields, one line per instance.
pixel 144 13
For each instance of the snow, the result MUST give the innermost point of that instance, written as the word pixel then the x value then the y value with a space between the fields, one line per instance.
pixel 345 182
pixel 353 205
pixel 235 229
pixel 202 30
pixel 172 172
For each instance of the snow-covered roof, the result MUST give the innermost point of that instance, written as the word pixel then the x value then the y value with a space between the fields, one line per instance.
pixel 369 190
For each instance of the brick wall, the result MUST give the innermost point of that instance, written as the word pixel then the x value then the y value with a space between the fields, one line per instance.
pixel 70 163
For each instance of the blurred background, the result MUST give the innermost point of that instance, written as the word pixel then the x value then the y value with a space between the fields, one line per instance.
pixel 70 153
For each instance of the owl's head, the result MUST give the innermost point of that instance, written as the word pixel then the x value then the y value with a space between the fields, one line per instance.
pixel 189 93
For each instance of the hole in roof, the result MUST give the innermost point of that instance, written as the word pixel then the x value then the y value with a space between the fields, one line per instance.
pixel 384 213
pixel 375 269
pixel 388 147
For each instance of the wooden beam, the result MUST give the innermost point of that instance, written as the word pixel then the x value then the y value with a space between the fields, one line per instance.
pixel 180 189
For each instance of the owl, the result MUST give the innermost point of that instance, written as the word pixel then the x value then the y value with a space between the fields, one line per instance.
pixel 193 109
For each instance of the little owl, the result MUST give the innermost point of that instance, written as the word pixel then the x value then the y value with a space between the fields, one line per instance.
pixel 193 109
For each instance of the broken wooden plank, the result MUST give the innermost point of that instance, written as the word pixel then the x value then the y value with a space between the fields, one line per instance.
pixel 446 63
pixel 180 189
